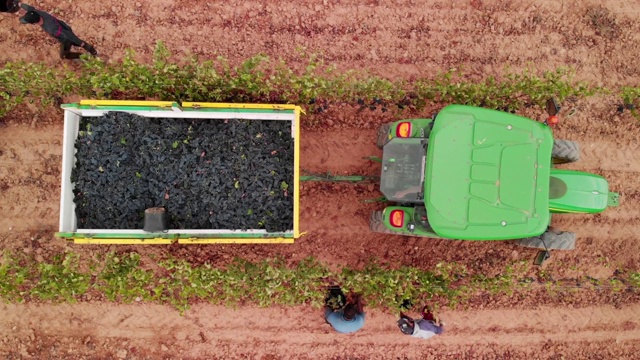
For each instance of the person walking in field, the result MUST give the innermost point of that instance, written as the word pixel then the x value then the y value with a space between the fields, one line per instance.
pixel 424 328
pixel 58 29
pixel 344 319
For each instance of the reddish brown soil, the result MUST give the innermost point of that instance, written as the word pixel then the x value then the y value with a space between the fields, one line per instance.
pixel 209 332
pixel 396 39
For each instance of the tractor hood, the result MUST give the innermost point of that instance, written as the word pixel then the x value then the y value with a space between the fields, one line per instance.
pixel 403 164
pixel 487 175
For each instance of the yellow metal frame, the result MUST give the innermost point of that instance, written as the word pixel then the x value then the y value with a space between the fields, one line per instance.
pixel 296 176
pixel 188 104
pixel 238 241
pixel 194 105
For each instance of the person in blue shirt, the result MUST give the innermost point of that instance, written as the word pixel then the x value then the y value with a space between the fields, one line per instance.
pixel 348 319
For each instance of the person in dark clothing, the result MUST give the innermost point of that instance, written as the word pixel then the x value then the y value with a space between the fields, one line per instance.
pixel 58 29
pixel 421 328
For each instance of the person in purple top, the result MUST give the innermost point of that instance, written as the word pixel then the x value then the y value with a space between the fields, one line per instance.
pixel 57 29
pixel 348 319
pixel 421 328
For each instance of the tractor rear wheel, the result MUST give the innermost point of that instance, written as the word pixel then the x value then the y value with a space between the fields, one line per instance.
pixel 383 135
pixel 555 241
pixel 565 151
pixel 377 225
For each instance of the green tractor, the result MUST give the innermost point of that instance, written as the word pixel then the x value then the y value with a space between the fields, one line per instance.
pixel 471 173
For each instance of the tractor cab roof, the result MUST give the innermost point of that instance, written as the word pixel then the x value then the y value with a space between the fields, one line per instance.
pixel 487 175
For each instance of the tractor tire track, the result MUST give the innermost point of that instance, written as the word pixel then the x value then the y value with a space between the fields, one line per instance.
pixel 30 162
pixel 339 153
pixel 212 332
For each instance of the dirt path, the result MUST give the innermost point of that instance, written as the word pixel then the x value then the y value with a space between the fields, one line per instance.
pixel 30 163
pixel 150 331
pixel 392 38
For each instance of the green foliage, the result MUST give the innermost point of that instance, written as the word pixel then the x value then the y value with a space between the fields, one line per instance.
pixel 503 283
pixel 265 80
pixel 12 279
pixel 60 280
pixel 635 279
pixel 387 287
pixel 630 95
pixel 126 278
pixel 184 283
pixel 631 99
pixel 20 82
pixel 513 92
pixel 265 283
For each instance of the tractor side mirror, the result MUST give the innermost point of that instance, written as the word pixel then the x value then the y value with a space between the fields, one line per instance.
pixel 542 256
pixel 552 107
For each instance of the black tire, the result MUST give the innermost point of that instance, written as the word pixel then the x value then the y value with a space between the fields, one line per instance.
pixel 554 241
pixel 565 151
pixel 383 135
pixel 377 225
pixel 10 6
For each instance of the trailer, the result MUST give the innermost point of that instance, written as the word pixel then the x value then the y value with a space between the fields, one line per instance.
pixel 92 190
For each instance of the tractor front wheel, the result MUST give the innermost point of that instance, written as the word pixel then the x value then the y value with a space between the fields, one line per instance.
pixel 565 151
pixel 376 224
pixel 554 240
pixel 383 135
